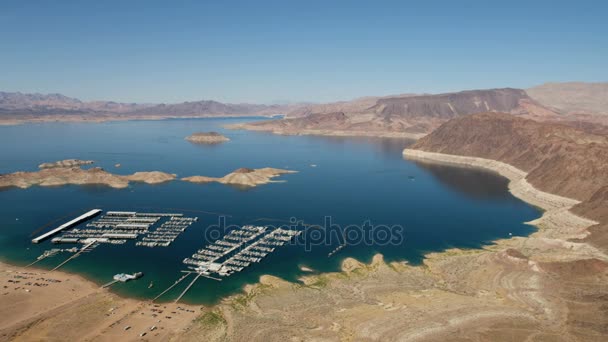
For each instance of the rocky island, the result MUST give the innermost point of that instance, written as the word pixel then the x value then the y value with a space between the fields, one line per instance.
pixel 207 138
pixel 65 163
pixel 243 177
pixel 69 172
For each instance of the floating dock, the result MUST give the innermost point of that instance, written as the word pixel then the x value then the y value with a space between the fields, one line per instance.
pixel 118 227
pixel 123 278
pixel 67 225
pixel 87 247
pixel 234 252
pixel 237 250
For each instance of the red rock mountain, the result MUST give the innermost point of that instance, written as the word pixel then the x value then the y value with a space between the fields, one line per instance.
pixel 559 159
pixel 415 115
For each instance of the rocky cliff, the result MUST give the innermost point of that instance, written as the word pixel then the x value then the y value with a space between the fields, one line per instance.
pixel 559 159
pixel 408 116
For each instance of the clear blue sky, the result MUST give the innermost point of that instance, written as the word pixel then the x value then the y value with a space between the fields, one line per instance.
pixel 277 51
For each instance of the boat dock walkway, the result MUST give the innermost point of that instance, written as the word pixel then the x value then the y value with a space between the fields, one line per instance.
pixel 67 225
pixel 188 288
pixel 109 284
pixel 238 249
pixel 172 286
pixel 85 248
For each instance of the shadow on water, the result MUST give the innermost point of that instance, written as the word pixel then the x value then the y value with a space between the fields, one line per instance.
pixel 474 183
pixel 393 146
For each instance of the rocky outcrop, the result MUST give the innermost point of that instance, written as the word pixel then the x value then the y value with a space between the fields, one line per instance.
pixel 243 177
pixel 558 159
pixel 207 138
pixel 450 105
pixel 358 105
pixel 65 163
pixel 553 158
pixel 57 176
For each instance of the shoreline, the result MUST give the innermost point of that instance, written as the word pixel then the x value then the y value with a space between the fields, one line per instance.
pixel 36 301
pixel 327 133
pixel 556 209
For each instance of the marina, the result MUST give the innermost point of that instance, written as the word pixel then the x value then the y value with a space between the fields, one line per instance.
pixel 231 254
pixel 164 235
pixel 115 228
pixel 118 227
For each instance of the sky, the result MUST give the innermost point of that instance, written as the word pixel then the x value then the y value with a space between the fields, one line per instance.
pixel 295 51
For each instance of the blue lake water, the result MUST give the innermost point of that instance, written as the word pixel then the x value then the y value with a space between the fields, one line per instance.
pixel 355 180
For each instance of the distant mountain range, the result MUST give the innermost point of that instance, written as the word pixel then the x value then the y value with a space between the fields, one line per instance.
pixel 49 104
pixel 17 106
pixel 398 115
pixel 213 108
pixel 407 116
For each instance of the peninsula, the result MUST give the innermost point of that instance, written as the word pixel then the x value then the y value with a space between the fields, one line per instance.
pixel 243 177
pixel 207 138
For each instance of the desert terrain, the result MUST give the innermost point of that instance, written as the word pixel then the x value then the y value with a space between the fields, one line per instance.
pixel 39 305
pixel 549 286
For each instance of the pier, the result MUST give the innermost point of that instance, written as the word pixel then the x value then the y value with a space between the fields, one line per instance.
pixel 188 288
pixel 109 284
pixel 238 249
pixel 52 252
pixel 67 225
pixel 82 250
pixel 172 286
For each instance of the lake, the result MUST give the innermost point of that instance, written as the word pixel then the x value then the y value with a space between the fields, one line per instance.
pixel 346 180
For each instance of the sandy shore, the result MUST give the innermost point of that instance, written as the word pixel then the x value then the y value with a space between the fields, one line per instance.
pixel 328 132
pixel 40 305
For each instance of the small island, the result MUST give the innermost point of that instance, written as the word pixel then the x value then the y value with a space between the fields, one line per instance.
pixel 209 138
pixel 243 177
pixel 69 172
